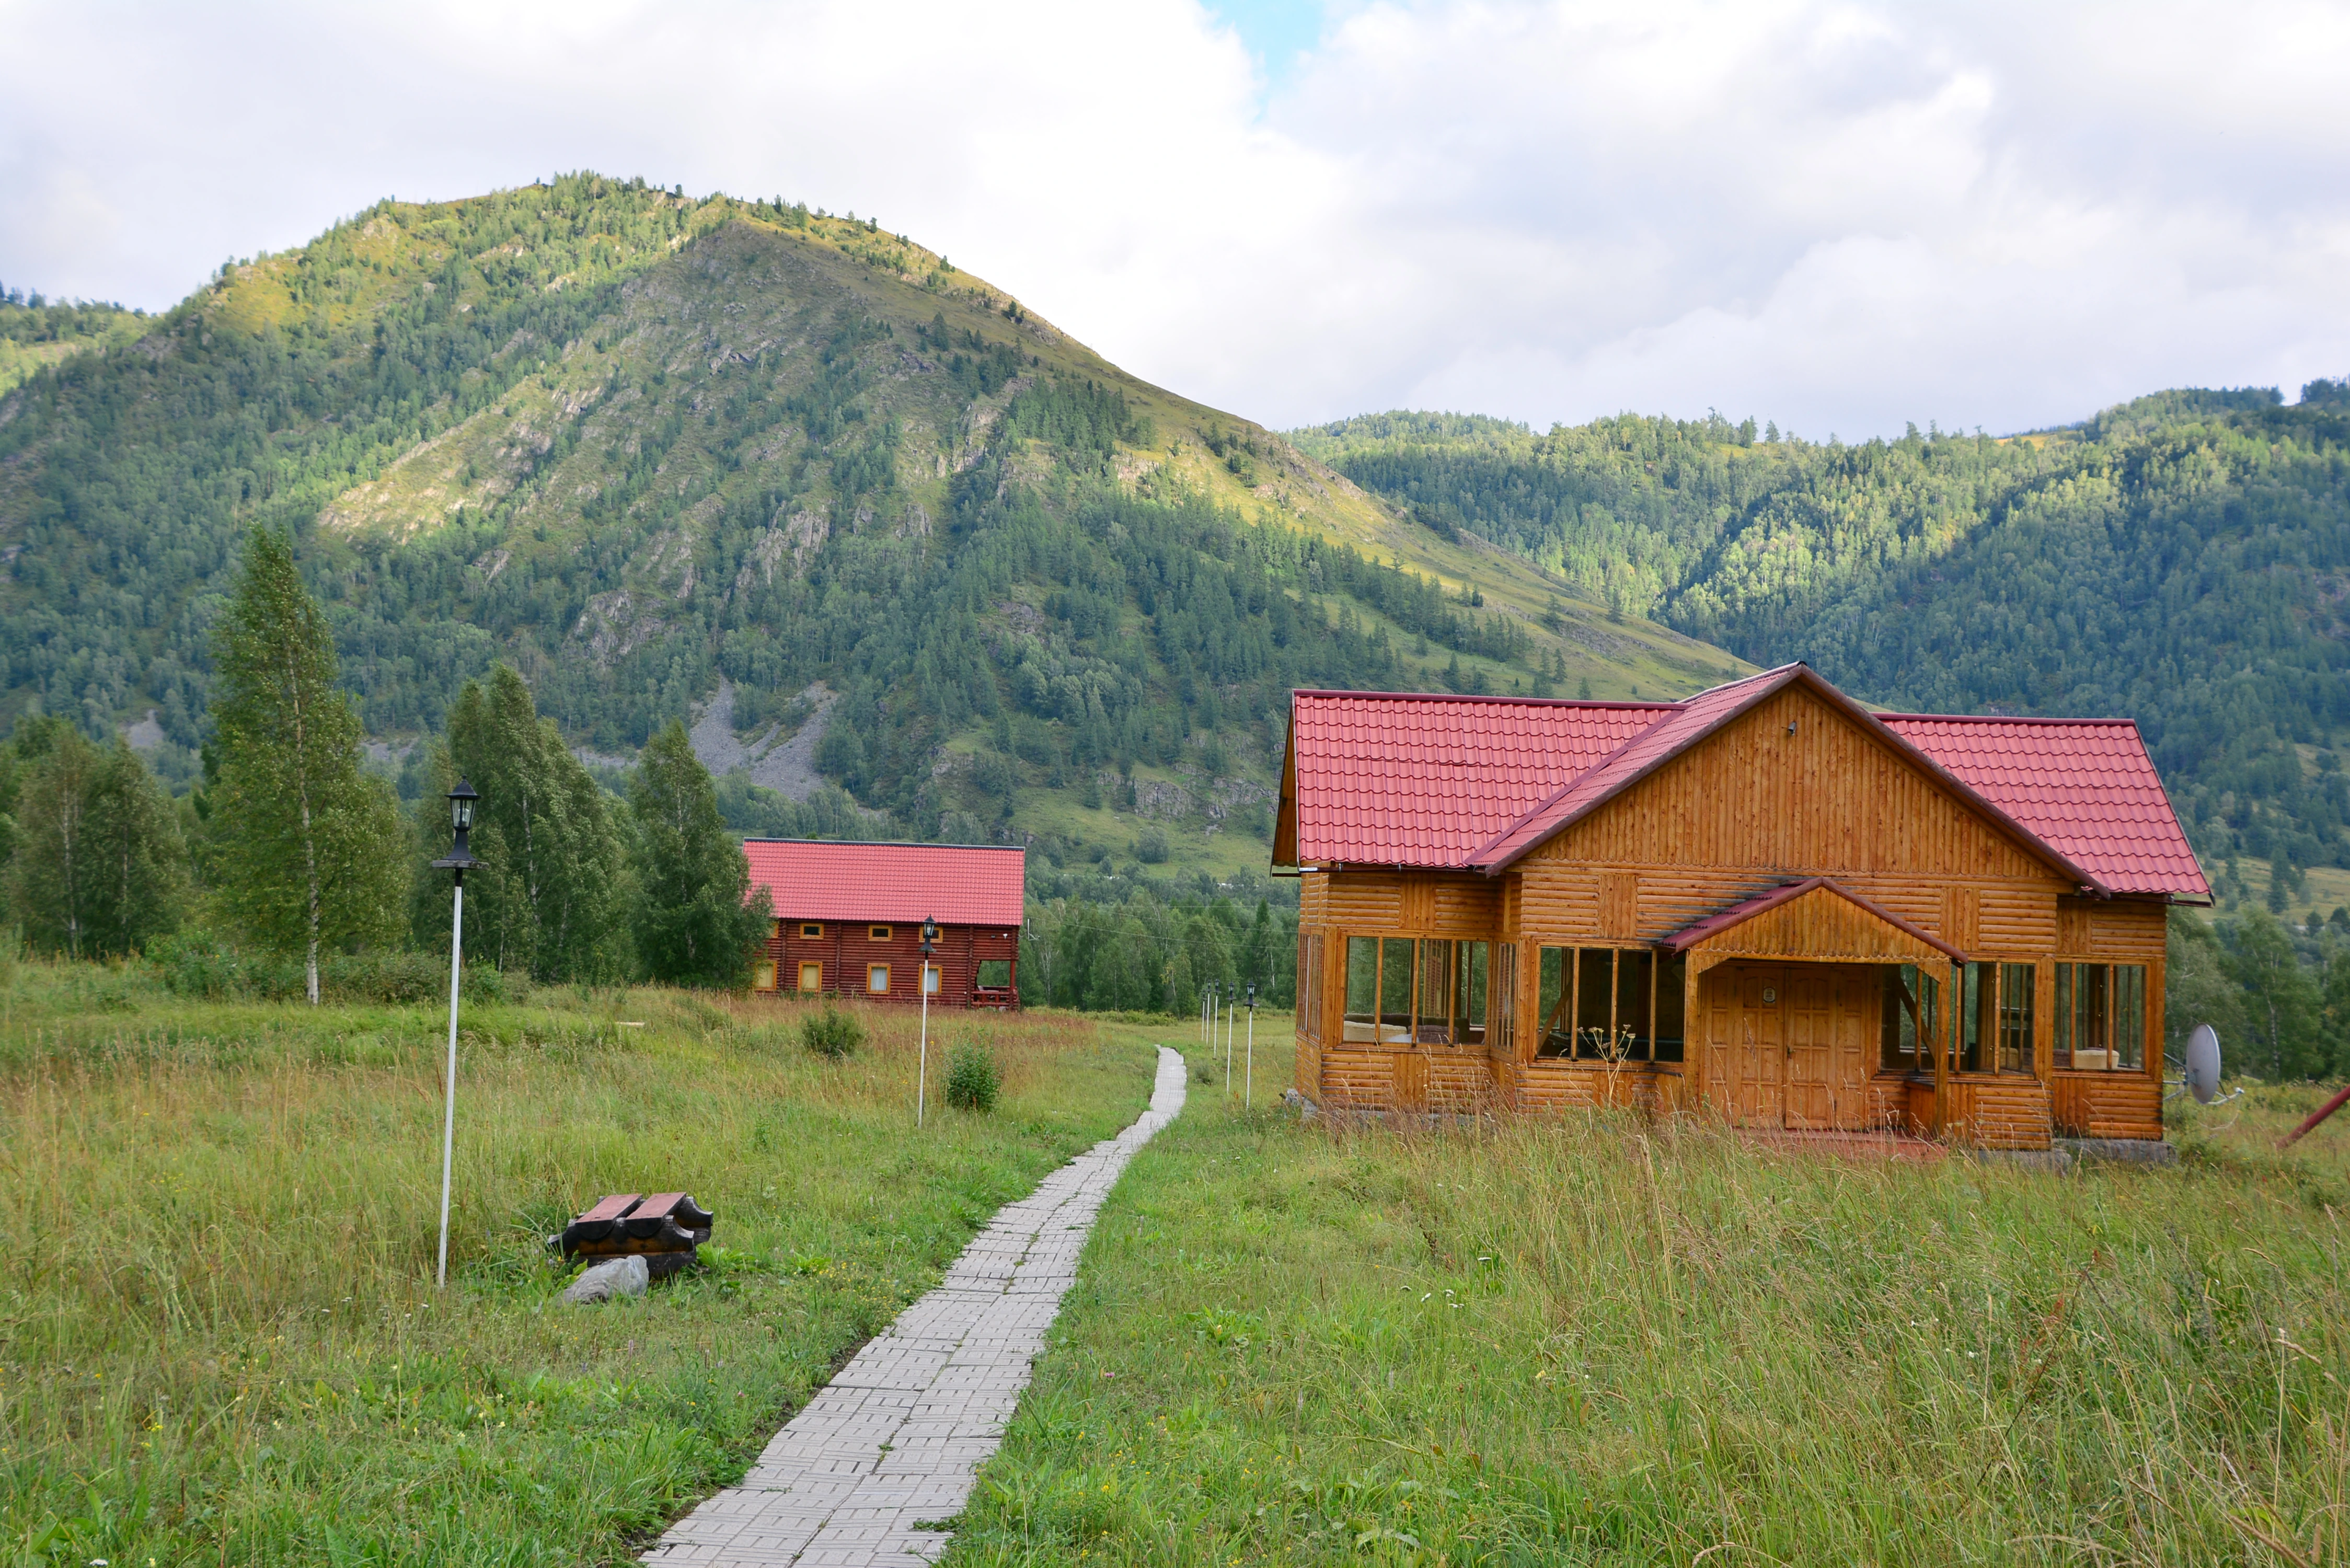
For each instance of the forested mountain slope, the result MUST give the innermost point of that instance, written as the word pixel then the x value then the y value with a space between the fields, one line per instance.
pixel 35 333
pixel 651 450
pixel 2183 559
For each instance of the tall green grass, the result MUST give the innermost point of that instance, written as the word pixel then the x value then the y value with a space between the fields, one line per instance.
pixel 1605 1339
pixel 219 1338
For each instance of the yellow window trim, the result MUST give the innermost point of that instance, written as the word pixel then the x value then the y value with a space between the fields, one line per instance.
pixel 811 928
pixel 882 970
pixel 876 933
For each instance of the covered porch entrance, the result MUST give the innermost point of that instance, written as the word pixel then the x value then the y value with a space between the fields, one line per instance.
pixel 1789 995
pixel 1792 1046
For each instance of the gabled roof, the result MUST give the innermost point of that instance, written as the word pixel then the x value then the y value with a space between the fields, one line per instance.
pixel 1703 714
pixel 2084 785
pixel 1386 778
pixel 903 884
pixel 1724 921
pixel 1392 779
pixel 1640 755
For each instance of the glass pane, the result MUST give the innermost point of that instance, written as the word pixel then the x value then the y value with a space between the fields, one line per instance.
pixel 1595 990
pixel 1897 1024
pixel 2092 1046
pixel 1930 1014
pixel 2129 1016
pixel 1436 993
pixel 1672 984
pixel 1971 1004
pixel 1362 989
pixel 1395 989
pixel 2018 1045
pixel 1634 971
pixel 1505 997
pixel 1554 1023
pixel 2061 1048
pixel 1469 1004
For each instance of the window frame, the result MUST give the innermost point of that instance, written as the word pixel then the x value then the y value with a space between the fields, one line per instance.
pixel 811 930
pixel 1597 1021
pixel 879 933
pixel 806 966
pixel 1395 983
pixel 2113 1010
pixel 870 971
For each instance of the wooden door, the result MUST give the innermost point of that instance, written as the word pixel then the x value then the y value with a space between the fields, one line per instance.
pixel 1760 1037
pixel 1808 1002
pixel 1410 1080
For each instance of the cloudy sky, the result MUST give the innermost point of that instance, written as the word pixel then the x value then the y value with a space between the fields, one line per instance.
pixel 1839 216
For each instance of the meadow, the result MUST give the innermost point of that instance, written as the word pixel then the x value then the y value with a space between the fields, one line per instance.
pixel 220 1340
pixel 1608 1339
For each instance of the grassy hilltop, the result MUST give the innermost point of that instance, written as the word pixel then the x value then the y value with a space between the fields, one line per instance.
pixel 782 468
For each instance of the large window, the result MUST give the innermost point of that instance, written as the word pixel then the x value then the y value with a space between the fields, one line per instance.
pixel 1403 991
pixel 2101 1017
pixel 1913 1019
pixel 1995 1021
pixel 1610 1004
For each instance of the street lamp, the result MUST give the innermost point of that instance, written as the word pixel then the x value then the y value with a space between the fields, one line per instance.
pixel 460 822
pixel 923 1067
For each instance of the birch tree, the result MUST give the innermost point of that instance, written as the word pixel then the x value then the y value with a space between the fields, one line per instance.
pixel 310 847
pixel 99 867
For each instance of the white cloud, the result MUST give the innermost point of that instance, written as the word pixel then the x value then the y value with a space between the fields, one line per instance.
pixel 1843 215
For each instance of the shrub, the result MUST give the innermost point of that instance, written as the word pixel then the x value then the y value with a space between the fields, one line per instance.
pixel 200 965
pixel 972 1077
pixel 1150 846
pixel 831 1032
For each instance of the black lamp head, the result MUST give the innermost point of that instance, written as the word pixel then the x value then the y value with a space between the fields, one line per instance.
pixel 461 806
pixel 929 934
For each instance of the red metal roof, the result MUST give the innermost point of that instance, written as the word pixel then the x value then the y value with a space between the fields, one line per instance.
pixel 2084 785
pixel 1396 779
pixel 904 884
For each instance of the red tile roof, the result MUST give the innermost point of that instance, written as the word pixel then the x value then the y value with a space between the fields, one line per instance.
pixel 1393 779
pixel 2084 785
pixel 1389 779
pixel 904 884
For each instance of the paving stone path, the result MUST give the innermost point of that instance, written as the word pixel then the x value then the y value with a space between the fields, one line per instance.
pixel 895 1441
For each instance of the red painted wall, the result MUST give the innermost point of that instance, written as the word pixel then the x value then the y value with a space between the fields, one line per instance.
pixel 846 951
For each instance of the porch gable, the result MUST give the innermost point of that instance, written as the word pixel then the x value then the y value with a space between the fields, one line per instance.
pixel 1814 920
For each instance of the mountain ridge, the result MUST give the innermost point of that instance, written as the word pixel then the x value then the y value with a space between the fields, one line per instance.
pixel 638 444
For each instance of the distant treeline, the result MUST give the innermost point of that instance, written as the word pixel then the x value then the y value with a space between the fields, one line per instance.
pixel 2181 559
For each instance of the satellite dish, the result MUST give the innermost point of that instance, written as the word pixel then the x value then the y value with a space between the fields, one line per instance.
pixel 2203 1064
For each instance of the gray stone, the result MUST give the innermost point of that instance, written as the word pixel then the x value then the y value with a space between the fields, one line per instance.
pixel 2120 1150
pixel 612 1277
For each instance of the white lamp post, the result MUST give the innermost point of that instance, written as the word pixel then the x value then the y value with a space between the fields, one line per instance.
pixel 1249 1103
pixel 461 801
pixel 922 1063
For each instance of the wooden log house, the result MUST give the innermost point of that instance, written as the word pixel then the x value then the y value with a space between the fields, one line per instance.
pixel 1766 899
pixel 848 919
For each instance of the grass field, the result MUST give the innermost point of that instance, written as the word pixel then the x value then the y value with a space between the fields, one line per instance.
pixel 219 1338
pixel 1608 1340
